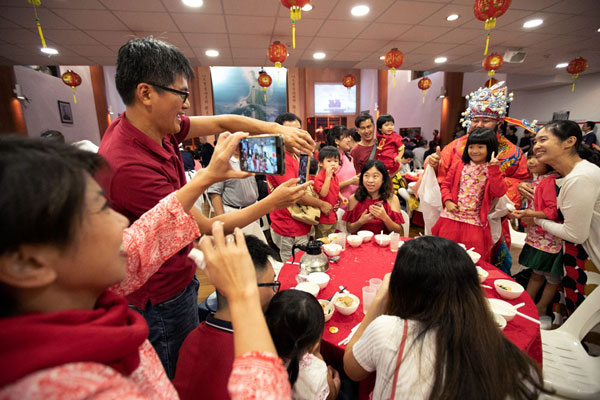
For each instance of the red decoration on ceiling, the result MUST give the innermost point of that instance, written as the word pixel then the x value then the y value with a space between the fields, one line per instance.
pixel 576 66
pixel 492 62
pixel 349 81
pixel 72 79
pixel 295 7
pixel 264 80
pixel 277 53
pixel 424 84
pixel 393 60
pixel 488 11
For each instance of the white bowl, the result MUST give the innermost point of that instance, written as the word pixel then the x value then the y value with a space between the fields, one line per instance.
pixel 342 308
pixel 320 278
pixel 508 289
pixel 501 307
pixel 365 235
pixel 482 274
pixel 332 237
pixel 499 320
pixel 332 249
pixel 308 287
pixel 354 240
pixel 382 239
pixel 324 303
pixel 474 256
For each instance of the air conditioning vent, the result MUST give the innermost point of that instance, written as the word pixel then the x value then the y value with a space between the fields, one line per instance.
pixel 514 56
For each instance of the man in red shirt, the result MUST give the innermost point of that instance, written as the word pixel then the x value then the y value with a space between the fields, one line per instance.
pixel 361 152
pixel 141 146
pixel 285 230
pixel 206 356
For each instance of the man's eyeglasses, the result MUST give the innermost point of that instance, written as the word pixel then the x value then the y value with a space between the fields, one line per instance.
pixel 276 285
pixel 183 94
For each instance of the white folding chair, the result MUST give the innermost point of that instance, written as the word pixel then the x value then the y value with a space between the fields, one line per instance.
pixel 406 224
pixel 568 368
pixel 517 241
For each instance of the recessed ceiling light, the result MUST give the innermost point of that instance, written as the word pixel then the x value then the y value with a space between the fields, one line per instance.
pixel 532 23
pixel 360 11
pixel 192 3
pixel 307 7
pixel 440 60
pixel 382 58
pixel 319 55
pixel 598 30
pixel 49 50
pixel 562 65
pixel 212 53
pixel 452 17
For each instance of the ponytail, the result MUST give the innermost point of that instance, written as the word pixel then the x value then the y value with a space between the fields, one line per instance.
pixel 589 154
pixel 294 364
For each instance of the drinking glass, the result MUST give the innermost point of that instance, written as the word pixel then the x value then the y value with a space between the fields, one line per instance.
pixel 394 241
pixel 375 283
pixel 368 294
pixel 341 239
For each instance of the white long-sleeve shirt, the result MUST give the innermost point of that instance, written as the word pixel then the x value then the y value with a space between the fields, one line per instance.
pixel 579 202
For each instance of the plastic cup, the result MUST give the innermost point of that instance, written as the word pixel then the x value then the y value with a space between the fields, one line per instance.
pixel 368 294
pixel 375 283
pixel 394 241
pixel 341 240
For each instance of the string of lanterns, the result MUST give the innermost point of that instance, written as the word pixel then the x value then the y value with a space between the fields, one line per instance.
pixel 487 11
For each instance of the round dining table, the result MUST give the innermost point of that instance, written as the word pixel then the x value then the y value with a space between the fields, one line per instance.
pixel 357 265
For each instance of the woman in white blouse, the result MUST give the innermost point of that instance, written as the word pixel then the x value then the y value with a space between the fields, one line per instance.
pixel 560 145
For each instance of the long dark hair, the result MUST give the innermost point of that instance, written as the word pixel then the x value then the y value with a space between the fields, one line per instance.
pixel 483 136
pixel 296 322
pixel 385 191
pixel 435 283
pixel 337 132
pixel 564 129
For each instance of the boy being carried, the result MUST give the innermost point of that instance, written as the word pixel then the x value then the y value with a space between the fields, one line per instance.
pixel 327 187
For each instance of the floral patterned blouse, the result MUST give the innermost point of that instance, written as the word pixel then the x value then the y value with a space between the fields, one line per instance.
pixel 537 237
pixel 470 194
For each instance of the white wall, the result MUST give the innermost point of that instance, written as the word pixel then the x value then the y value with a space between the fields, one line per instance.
pixel 406 105
pixel 368 91
pixel 584 103
pixel 113 99
pixel 44 91
pixel 474 80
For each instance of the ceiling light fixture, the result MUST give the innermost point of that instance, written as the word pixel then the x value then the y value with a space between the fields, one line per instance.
pixel 212 53
pixel 598 30
pixel 440 60
pixel 307 7
pixel 193 3
pixel 49 50
pixel 382 58
pixel 532 23
pixel 319 55
pixel 360 11
pixel 562 65
pixel 452 17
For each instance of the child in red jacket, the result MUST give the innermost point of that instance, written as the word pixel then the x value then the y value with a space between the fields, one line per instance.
pixel 468 191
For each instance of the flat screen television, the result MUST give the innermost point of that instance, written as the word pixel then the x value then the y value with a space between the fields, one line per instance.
pixel 334 99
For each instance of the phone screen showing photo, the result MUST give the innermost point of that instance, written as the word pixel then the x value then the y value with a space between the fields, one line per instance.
pixel 259 154
pixel 303 168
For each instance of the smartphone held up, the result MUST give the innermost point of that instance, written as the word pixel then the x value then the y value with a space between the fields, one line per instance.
pixel 263 154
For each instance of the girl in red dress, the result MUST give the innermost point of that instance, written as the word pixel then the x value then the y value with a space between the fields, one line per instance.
pixel 468 191
pixel 374 207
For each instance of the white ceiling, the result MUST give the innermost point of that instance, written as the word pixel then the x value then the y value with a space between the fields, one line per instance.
pixel 91 32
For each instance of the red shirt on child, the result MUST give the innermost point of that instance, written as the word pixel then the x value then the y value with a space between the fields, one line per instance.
pixel 332 196
pixel 387 149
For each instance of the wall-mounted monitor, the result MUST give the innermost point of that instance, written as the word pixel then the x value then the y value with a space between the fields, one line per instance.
pixel 334 99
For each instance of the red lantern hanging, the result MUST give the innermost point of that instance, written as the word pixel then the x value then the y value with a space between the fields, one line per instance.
pixel 424 84
pixel 393 60
pixel 491 63
pixel 490 82
pixel 73 80
pixel 488 11
pixel 295 7
pixel 576 66
pixel 349 81
pixel 277 53
pixel 264 80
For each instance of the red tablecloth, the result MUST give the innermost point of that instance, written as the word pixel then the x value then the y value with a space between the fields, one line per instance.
pixel 357 265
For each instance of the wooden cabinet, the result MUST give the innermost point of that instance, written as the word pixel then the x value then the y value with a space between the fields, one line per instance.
pixel 316 125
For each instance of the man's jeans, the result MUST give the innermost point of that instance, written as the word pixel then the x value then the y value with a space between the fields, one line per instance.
pixel 170 322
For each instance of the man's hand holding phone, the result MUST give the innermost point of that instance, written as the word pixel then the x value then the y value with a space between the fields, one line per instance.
pixel 219 169
pixel 287 194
